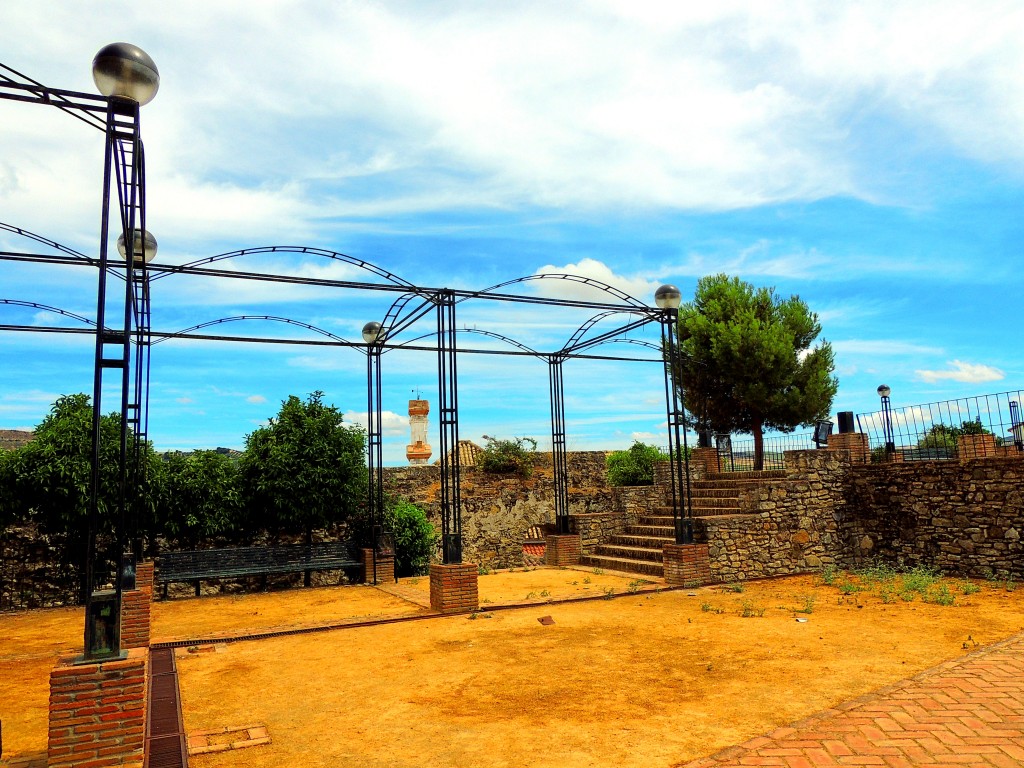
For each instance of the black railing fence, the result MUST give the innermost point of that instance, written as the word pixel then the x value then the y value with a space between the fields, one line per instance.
pixel 968 427
pixel 738 455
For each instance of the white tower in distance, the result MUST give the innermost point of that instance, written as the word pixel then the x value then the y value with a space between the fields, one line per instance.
pixel 418 451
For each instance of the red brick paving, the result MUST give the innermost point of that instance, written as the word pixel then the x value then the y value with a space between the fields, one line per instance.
pixel 967 713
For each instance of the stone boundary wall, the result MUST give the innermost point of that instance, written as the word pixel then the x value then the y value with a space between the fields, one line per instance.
pixel 793 526
pixel 963 517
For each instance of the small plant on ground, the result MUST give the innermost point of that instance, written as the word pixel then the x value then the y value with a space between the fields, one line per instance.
pixel 849 587
pixel 483 570
pixel 829 574
pixel 545 593
pixel 609 592
pixel 876 572
pixel 940 595
pixel 968 588
pixel 634 586
pixel 530 595
pixel 586 579
pixel 1010 584
pixel 887 593
pixel 920 578
pixel 750 610
pixel 599 572
pixel 734 586
pixel 807 604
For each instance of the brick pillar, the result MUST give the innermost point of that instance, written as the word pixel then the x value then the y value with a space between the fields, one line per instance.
pixel 706 458
pixel 453 588
pixel 854 442
pixel 98 712
pixel 135 608
pixel 975 446
pixel 563 549
pixel 687 564
pixel 385 567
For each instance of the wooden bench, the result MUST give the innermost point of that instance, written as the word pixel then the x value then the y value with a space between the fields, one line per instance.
pixel 238 562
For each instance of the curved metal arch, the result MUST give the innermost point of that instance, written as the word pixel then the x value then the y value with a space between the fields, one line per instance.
pixel 368 266
pixel 393 313
pixel 48 308
pixel 47 241
pixel 638 342
pixel 589 281
pixel 492 334
pixel 582 330
pixel 273 318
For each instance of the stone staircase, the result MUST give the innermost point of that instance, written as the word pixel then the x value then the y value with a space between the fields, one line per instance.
pixel 639 549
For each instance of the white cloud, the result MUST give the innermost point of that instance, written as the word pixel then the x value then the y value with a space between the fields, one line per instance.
pixel 392 424
pixel 184 400
pixel 637 287
pixel 968 373
pixel 256 399
pixel 882 347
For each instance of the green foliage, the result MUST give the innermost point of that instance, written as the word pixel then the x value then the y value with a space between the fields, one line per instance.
pixel 746 363
pixel 500 456
pixel 634 466
pixel 200 497
pixel 416 539
pixel 943 437
pixel 48 482
pixel 305 469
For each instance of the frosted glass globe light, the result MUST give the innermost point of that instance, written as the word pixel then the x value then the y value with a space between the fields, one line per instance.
pixel 370 332
pixel 668 297
pixel 125 70
pixel 143 244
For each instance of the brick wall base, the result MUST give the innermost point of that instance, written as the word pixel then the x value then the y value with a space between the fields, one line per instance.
pixel 706 458
pixel 687 564
pixel 854 442
pixel 453 588
pixel 385 567
pixel 98 712
pixel 563 549
pixel 135 609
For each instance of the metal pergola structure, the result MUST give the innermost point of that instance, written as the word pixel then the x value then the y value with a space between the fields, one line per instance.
pixel 124 336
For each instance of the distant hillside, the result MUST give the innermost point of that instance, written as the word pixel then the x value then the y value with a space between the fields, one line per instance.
pixel 14 438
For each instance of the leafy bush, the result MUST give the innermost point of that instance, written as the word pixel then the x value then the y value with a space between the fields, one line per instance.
pixel 305 469
pixel 634 466
pixel 200 498
pixel 500 456
pixel 415 538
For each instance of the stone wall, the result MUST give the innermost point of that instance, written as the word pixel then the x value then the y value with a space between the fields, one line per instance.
pixel 795 526
pixel 963 517
pixel 498 510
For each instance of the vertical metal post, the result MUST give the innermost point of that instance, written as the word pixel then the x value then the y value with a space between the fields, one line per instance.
pixel 890 440
pixel 559 458
pixel 679 461
pixel 1016 428
pixel 375 439
pixel 113 351
pixel 447 388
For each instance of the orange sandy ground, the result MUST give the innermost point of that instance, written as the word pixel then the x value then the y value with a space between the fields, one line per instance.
pixel 644 679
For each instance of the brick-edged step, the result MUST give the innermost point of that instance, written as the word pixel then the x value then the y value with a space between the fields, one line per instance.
pixel 764 474
pixel 642 567
pixel 628 553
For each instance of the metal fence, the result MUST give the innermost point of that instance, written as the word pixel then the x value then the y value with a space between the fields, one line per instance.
pixel 738 455
pixel 968 427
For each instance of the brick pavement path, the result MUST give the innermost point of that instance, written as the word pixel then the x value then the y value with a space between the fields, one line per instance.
pixel 968 712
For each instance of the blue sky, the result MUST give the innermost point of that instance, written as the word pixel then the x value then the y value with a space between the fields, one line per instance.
pixel 866 156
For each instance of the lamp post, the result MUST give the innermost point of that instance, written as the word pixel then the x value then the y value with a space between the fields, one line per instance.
pixel 1015 426
pixel 373 336
pixel 890 442
pixel 668 298
pixel 127 76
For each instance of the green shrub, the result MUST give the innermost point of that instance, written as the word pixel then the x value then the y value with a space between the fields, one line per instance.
pixel 634 466
pixel 415 538
pixel 500 456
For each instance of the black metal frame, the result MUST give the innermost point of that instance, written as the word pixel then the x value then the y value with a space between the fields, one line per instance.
pixel 374 447
pixel 682 516
pixel 116 328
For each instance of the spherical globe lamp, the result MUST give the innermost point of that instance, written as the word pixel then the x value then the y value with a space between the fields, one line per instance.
pixel 370 332
pixel 125 70
pixel 143 245
pixel 668 297
pixel 883 390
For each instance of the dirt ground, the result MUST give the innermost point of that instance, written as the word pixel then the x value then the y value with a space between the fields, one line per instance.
pixel 643 678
